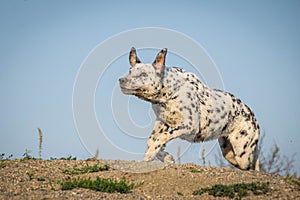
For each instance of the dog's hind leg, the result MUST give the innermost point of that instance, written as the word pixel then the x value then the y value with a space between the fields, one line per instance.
pixel 227 150
pixel 241 151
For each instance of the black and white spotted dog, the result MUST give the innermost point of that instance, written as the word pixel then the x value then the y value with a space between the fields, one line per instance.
pixel 188 109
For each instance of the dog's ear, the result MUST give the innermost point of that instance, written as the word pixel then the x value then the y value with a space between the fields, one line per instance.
pixel 133 59
pixel 159 62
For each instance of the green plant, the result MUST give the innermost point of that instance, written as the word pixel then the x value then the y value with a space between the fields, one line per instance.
pixel 41 179
pixel 237 191
pixel 86 169
pixel 96 154
pixel 30 175
pixel 64 158
pixel 2 164
pixel 40 142
pixel 2 157
pixel 179 193
pixel 203 157
pixel 100 184
pixel 27 155
pixel 293 180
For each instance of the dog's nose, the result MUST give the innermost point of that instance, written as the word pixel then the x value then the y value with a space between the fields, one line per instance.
pixel 122 80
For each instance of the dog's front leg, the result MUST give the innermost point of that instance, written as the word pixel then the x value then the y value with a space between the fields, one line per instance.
pixel 159 128
pixel 157 141
pixel 155 144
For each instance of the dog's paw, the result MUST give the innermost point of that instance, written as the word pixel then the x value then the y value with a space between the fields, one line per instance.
pixel 149 156
pixel 168 159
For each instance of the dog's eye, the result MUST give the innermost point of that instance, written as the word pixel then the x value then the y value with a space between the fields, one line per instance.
pixel 144 74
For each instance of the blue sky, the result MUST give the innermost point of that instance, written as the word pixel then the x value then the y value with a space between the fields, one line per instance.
pixel 254 44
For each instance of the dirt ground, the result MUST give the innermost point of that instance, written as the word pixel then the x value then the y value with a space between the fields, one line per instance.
pixel 38 179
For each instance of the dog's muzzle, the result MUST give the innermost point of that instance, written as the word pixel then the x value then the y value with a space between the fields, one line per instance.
pixel 122 81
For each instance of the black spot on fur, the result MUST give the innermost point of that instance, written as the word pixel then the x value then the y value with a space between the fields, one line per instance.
pixel 254 124
pixel 190 110
pixel 242 154
pixel 243 112
pixel 202 102
pixel 178 128
pixel 245 146
pixel 247 117
pixel 243 132
pixel 254 143
pixel 225 127
pixel 188 94
pixel 224 115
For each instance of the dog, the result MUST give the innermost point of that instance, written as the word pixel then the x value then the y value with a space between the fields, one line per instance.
pixel 186 108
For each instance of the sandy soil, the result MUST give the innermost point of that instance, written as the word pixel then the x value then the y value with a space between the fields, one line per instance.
pixel 38 179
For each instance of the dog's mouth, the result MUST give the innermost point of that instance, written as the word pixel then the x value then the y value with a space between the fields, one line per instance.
pixel 143 91
pixel 127 90
pixel 134 90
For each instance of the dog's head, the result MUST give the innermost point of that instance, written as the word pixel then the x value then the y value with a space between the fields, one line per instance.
pixel 144 80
